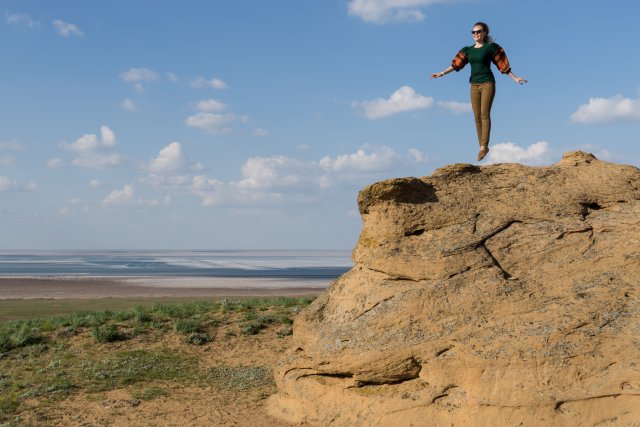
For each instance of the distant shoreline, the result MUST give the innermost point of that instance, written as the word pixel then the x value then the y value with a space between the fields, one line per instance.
pixel 91 287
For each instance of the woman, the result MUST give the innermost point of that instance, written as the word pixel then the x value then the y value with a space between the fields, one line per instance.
pixel 483 85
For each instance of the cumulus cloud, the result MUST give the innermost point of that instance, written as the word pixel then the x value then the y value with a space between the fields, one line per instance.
pixel 275 171
pixel 7 160
pixel 417 156
pixel 455 107
pixel 211 105
pixel 7 184
pixel 10 145
pixel 509 152
pixel 128 105
pixel 171 169
pixel 55 163
pixel 375 161
pixel 215 83
pixel 119 197
pixel 22 20
pixel 402 100
pixel 383 11
pixel 67 30
pixel 127 197
pixel 272 179
pixel 604 110
pixel 211 122
pixel 169 160
pixel 259 133
pixel 210 119
pixel 138 76
pixel 94 153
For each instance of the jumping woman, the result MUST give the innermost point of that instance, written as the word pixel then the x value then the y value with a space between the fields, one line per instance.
pixel 483 85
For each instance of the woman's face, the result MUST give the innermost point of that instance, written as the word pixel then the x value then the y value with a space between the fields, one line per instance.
pixel 478 33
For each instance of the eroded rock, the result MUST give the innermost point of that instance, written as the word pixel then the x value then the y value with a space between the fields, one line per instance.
pixel 492 295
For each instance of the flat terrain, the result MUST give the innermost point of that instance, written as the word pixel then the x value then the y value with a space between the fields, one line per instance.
pixel 82 287
pixel 154 364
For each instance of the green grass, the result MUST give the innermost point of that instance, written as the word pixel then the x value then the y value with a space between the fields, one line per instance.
pixel 50 358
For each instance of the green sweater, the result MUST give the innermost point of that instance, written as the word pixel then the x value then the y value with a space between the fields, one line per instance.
pixel 480 60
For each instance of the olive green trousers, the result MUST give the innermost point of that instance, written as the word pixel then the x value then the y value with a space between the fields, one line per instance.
pixel 482 95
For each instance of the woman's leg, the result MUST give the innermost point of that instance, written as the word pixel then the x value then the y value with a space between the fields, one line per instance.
pixel 476 105
pixel 487 93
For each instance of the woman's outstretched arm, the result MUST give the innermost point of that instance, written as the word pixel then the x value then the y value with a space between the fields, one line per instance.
pixel 517 79
pixel 442 73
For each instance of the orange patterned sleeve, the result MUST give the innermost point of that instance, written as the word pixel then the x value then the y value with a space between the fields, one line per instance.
pixel 459 61
pixel 501 60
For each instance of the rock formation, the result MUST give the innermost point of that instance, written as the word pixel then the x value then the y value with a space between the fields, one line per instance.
pixel 496 295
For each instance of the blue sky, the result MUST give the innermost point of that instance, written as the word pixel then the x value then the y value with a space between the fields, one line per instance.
pixel 252 124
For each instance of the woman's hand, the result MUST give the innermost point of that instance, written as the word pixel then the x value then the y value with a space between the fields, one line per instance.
pixel 436 75
pixel 519 80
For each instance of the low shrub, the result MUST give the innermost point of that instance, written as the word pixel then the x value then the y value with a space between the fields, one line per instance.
pixel 107 333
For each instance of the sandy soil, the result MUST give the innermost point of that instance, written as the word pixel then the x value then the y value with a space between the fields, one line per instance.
pixel 185 405
pixel 64 287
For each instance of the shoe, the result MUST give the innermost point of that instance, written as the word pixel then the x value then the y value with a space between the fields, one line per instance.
pixel 483 152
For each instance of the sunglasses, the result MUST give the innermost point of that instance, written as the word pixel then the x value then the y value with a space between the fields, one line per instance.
pixel 476 32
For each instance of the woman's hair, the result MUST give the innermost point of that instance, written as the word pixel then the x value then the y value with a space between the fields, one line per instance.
pixel 485 27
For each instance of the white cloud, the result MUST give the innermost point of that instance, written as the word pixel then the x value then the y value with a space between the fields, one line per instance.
pixel 10 145
pixel 94 183
pixel 172 77
pixel 211 106
pixel 210 191
pixel 169 160
pixel 603 110
pixel 138 76
pixel 67 30
pixel 273 179
pixel 108 137
pixel 22 20
pixel 128 105
pixel 55 163
pixel 275 171
pixel 417 156
pixel 93 153
pixel 402 100
pixel 455 107
pixel 202 83
pixel 383 11
pixel 7 184
pixel 127 197
pixel 259 133
pixel 509 152
pixel 376 161
pixel 7 160
pixel 119 197
pixel 211 122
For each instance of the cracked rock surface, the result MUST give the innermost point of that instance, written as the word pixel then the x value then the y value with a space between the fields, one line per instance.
pixel 496 295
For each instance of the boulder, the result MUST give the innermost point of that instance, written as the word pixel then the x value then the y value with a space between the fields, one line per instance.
pixel 484 296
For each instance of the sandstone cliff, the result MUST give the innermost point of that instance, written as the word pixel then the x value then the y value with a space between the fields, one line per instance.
pixel 494 295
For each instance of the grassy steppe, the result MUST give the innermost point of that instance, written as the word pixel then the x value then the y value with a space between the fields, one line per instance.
pixel 61 370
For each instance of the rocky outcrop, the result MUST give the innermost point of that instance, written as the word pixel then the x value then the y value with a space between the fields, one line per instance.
pixel 497 295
